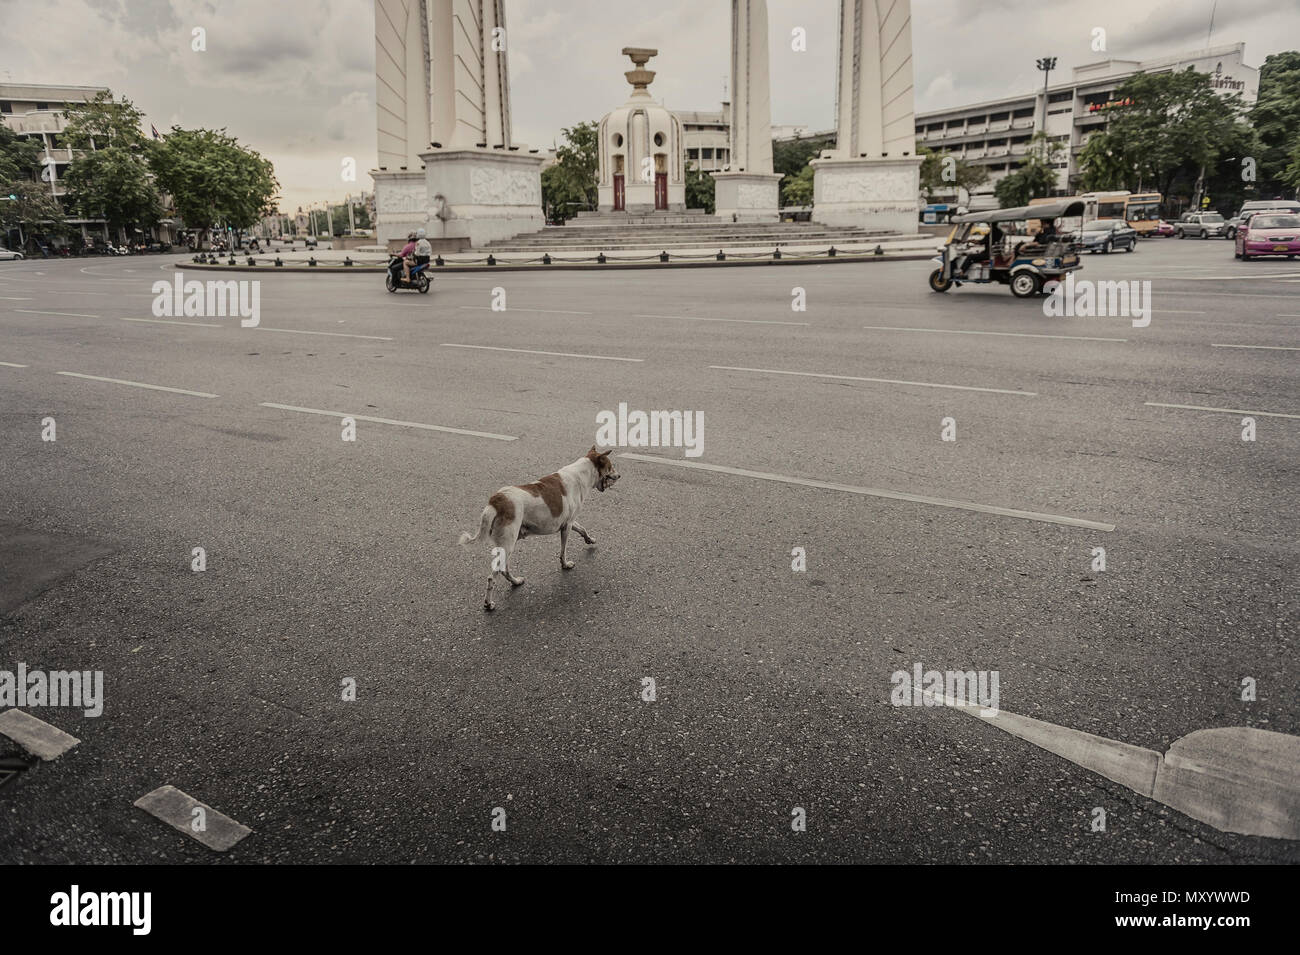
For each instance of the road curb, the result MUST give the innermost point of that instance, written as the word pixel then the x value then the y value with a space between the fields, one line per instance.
pixel 565 266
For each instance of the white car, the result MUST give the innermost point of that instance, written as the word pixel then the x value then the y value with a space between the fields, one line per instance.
pixel 5 255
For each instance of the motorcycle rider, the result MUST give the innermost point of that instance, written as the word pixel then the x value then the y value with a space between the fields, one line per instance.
pixel 423 250
pixel 407 256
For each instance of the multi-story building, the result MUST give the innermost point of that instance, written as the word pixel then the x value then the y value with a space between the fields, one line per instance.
pixel 35 111
pixel 705 137
pixel 996 134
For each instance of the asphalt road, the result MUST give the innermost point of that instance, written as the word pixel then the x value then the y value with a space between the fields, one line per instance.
pixel 330 560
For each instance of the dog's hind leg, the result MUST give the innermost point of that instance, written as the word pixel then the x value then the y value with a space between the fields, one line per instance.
pixel 582 533
pixel 487 600
pixel 514 581
pixel 564 546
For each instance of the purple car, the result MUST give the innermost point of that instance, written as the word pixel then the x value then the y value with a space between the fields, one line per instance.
pixel 1269 233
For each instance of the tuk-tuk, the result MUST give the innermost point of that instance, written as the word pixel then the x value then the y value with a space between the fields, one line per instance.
pixel 1001 245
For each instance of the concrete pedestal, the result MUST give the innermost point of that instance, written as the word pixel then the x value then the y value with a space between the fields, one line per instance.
pixel 747 196
pixel 868 193
pixel 463 198
pixel 400 205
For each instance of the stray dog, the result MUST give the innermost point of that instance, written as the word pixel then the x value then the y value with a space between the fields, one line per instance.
pixel 543 507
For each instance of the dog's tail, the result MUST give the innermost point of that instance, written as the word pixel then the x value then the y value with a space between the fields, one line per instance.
pixel 485 523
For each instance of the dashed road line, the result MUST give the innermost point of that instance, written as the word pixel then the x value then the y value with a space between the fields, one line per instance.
pixel 32 311
pixel 36 736
pixel 219 832
pixel 1263 414
pixel 10 364
pixel 529 351
pixel 882 381
pixel 1262 347
pixel 403 424
pixel 960 331
pixel 299 331
pixel 540 311
pixel 739 321
pixel 137 384
pixel 164 321
pixel 876 492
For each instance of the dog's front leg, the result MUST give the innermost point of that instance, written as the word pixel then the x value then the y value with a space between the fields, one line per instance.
pixel 487 600
pixel 564 546
pixel 582 533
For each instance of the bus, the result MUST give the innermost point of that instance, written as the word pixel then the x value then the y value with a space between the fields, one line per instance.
pixel 1141 210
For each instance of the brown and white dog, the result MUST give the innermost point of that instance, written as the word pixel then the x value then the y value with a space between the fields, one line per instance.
pixel 543 507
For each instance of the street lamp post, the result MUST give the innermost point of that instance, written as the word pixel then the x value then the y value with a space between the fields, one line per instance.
pixel 1046 64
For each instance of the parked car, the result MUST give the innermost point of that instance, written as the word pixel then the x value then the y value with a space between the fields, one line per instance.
pixel 1269 233
pixel 8 255
pixel 1258 205
pixel 1200 224
pixel 1163 229
pixel 1107 235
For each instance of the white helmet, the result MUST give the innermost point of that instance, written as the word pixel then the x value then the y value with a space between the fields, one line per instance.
pixel 419 233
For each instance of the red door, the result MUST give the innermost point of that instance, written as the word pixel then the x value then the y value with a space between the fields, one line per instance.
pixel 618 192
pixel 661 190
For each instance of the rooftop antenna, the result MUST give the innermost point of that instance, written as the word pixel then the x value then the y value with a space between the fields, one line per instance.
pixel 1210 32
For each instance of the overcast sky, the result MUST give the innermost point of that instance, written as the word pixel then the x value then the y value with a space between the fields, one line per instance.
pixel 294 78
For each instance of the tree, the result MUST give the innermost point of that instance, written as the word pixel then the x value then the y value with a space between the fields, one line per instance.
pixel 937 171
pixel 1036 175
pixel 1274 117
pixel 18 155
pixel 700 189
pixel 570 183
pixel 798 190
pixel 1168 123
pixel 32 209
pixel 113 183
pixel 214 180
pixel 1101 164
pixel 790 157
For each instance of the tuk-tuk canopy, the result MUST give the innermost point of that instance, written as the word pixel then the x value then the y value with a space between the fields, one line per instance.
pixel 1047 210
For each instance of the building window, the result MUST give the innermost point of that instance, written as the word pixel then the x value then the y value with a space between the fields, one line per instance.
pixel 1061 97
pixel 6 106
pixel 45 106
pixel 706 152
pixel 659 139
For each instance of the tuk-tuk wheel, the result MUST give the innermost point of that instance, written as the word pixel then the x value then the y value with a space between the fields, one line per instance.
pixel 938 283
pixel 1026 284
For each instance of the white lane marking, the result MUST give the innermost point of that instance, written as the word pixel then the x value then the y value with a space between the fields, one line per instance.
pixel 299 331
pixel 876 492
pixel 529 351
pixel 9 364
pixel 1265 414
pixel 137 384
pixel 36 736
pixel 164 321
pixel 1177 311
pixel 32 311
pixel 1262 347
pixel 740 321
pixel 883 381
pixel 16 298
pixel 176 808
pixel 403 424
pixel 958 331
pixel 540 311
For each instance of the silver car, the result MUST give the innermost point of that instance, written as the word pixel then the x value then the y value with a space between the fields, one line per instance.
pixel 1200 224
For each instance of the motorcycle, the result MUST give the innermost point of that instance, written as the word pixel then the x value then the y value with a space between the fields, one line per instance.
pixel 420 280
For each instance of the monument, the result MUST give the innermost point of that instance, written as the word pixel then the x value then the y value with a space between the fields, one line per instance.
pixel 749 190
pixel 641 168
pixel 447 163
pixel 872 177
